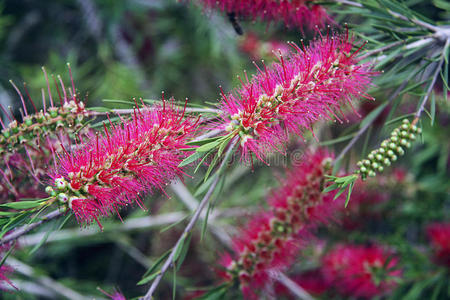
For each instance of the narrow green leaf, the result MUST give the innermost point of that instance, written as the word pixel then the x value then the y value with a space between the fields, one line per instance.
pixel 191 158
pixel 209 146
pixel 156 265
pixel 372 115
pixel 179 247
pixel 339 193
pixel 21 205
pixel 202 142
pixel 211 167
pixel 5 256
pixel 184 251
pixel 331 188
pixel 350 188
pixel 164 229
pixel 205 185
pixel 433 107
pixel 148 278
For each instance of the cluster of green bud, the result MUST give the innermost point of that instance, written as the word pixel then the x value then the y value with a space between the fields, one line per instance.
pixel 62 192
pixel 70 117
pixel 390 150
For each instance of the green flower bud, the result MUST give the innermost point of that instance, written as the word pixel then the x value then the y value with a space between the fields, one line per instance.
pixel 380 169
pixel 400 151
pixel 6 133
pixel 408 145
pixel 49 190
pixel 370 156
pixel 372 174
pixel 390 153
pixel 414 128
pixel 387 162
pixel 403 142
pixel 394 139
pixel 412 136
pixel 60 183
pixel 379 157
pixel 392 145
pixel 394 157
pixel 405 121
pixel 405 127
pixel 359 164
pixel 366 162
pixel 63 198
pixel 363 169
pixel 374 165
pixel 28 121
pixel 381 151
pixel 404 133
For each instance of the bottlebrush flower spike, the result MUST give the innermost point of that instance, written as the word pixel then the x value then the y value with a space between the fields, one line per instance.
pixel 27 144
pixel 310 85
pixel 439 234
pixel 114 169
pixel 361 271
pixel 271 240
pixel 296 13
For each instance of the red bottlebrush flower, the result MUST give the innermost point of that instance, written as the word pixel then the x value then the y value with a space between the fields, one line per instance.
pixel 27 143
pixel 439 234
pixel 311 85
pixel 258 49
pixel 296 13
pixel 271 240
pixel 131 158
pixel 360 271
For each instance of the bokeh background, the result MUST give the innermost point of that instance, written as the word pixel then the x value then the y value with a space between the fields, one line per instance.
pixel 138 48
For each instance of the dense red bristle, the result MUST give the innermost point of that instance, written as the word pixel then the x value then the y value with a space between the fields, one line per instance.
pixel 294 209
pixel 297 14
pixel 294 93
pixel 113 169
pixel 351 269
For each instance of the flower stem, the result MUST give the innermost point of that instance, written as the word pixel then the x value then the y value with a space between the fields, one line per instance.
pixel 189 227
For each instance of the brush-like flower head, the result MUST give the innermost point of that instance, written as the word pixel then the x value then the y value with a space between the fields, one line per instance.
pixel 311 84
pixel 271 240
pixel 360 271
pixel 27 143
pixel 116 168
pixel 439 234
pixel 296 13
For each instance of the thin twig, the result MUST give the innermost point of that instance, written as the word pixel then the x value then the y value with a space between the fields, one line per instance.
pixel 395 14
pixel 189 200
pixel 350 3
pixel 381 49
pixel 430 88
pixel 189 227
pixel 27 228
pixel 295 289
pixel 45 281
pixel 132 110
pixel 130 224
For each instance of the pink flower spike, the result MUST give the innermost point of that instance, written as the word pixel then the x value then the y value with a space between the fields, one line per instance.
pixel 294 13
pixel 306 86
pixel 271 240
pixel 130 159
pixel 439 235
pixel 351 269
